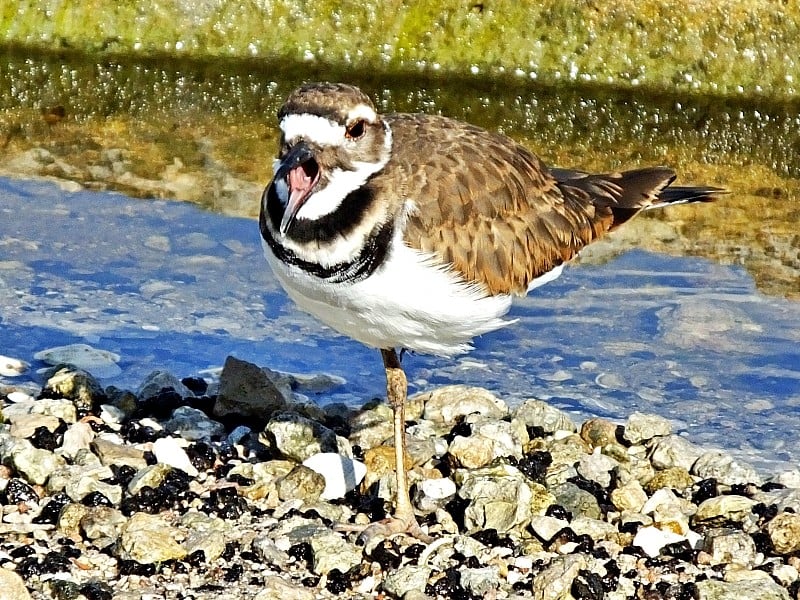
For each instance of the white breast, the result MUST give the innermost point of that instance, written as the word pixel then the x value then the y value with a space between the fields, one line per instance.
pixel 408 302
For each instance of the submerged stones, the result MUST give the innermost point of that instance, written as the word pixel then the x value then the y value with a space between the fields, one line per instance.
pixel 111 493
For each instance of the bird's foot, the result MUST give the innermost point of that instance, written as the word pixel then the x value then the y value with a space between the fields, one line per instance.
pixel 388 527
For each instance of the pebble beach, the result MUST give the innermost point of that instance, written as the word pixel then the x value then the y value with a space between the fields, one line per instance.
pixel 238 486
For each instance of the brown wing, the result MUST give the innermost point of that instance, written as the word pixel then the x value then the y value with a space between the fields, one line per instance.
pixel 490 207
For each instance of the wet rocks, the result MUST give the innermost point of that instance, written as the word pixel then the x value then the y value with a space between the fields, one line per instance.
pixel 157 491
pixel 148 539
pixel 784 533
pixel 100 363
pixel 245 389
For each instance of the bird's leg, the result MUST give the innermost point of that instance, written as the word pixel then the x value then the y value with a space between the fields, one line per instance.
pixel 403 520
pixel 396 393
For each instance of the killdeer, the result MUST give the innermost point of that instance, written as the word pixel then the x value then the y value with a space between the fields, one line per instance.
pixel 413 231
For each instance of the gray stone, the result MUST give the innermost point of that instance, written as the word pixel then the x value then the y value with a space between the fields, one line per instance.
pixel 158 381
pixel 597 467
pixel 595 528
pixel 298 437
pixel 150 476
pixel 301 483
pixel 371 427
pixel 12 367
pixel 275 587
pixel 269 553
pixel 100 363
pixel 77 437
pixel 490 439
pixel 724 468
pixel 332 551
pixel 480 581
pixel 205 533
pixel 244 389
pixel 641 427
pixel 546 527
pixel 761 589
pixel 46 407
pixel 446 404
pixel 728 546
pixel 499 498
pixel 148 539
pixel 111 453
pixel 674 451
pixel 86 466
pixel 193 424
pixel 265 477
pixel 24 425
pixel 36 464
pixel 535 413
pixel 79 487
pixel 102 522
pixel 724 508
pixel 579 502
pixel 406 579
pixel 555 581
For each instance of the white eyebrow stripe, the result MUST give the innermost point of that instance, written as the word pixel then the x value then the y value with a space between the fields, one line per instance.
pixel 362 111
pixel 313 128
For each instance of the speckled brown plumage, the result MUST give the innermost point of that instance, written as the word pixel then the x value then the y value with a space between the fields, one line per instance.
pixel 491 209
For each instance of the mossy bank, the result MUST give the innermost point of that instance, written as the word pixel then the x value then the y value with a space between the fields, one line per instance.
pixel 732 47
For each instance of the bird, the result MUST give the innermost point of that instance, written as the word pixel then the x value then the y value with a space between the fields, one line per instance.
pixel 415 231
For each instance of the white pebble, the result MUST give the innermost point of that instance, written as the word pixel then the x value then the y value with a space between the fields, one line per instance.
pixel 341 473
pixel 12 367
pixel 652 539
pixel 16 397
pixel 169 452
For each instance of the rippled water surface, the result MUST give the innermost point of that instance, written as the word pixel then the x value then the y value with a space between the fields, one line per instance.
pixel 169 286
pixel 692 314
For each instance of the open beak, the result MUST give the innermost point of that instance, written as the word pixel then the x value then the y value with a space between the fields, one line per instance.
pixel 301 173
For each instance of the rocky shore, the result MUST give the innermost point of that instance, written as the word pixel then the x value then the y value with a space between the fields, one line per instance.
pixel 238 486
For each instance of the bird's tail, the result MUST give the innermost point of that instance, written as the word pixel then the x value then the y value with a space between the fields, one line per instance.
pixel 629 192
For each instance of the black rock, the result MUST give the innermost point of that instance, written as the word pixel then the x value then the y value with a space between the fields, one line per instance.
pixel 18 491
pixel 45 439
pixel 97 590
pixel 51 511
pixel 534 465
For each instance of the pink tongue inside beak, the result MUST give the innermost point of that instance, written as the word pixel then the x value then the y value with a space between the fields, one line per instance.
pixel 300 184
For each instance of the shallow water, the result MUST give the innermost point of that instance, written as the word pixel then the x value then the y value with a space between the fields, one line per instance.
pixel 206 132
pixel 706 334
pixel 169 286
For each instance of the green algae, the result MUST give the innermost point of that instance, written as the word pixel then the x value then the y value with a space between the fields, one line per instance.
pixel 732 47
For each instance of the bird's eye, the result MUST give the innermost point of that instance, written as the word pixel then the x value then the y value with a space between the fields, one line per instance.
pixel 355 130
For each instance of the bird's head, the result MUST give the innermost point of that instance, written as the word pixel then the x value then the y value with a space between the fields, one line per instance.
pixel 332 141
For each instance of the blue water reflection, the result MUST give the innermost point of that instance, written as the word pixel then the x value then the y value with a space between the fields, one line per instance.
pixel 168 286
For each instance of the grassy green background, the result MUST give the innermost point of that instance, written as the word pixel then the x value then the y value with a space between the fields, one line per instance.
pixel 730 47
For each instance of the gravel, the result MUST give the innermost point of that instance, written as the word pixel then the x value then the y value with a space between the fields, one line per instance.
pixel 180 491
